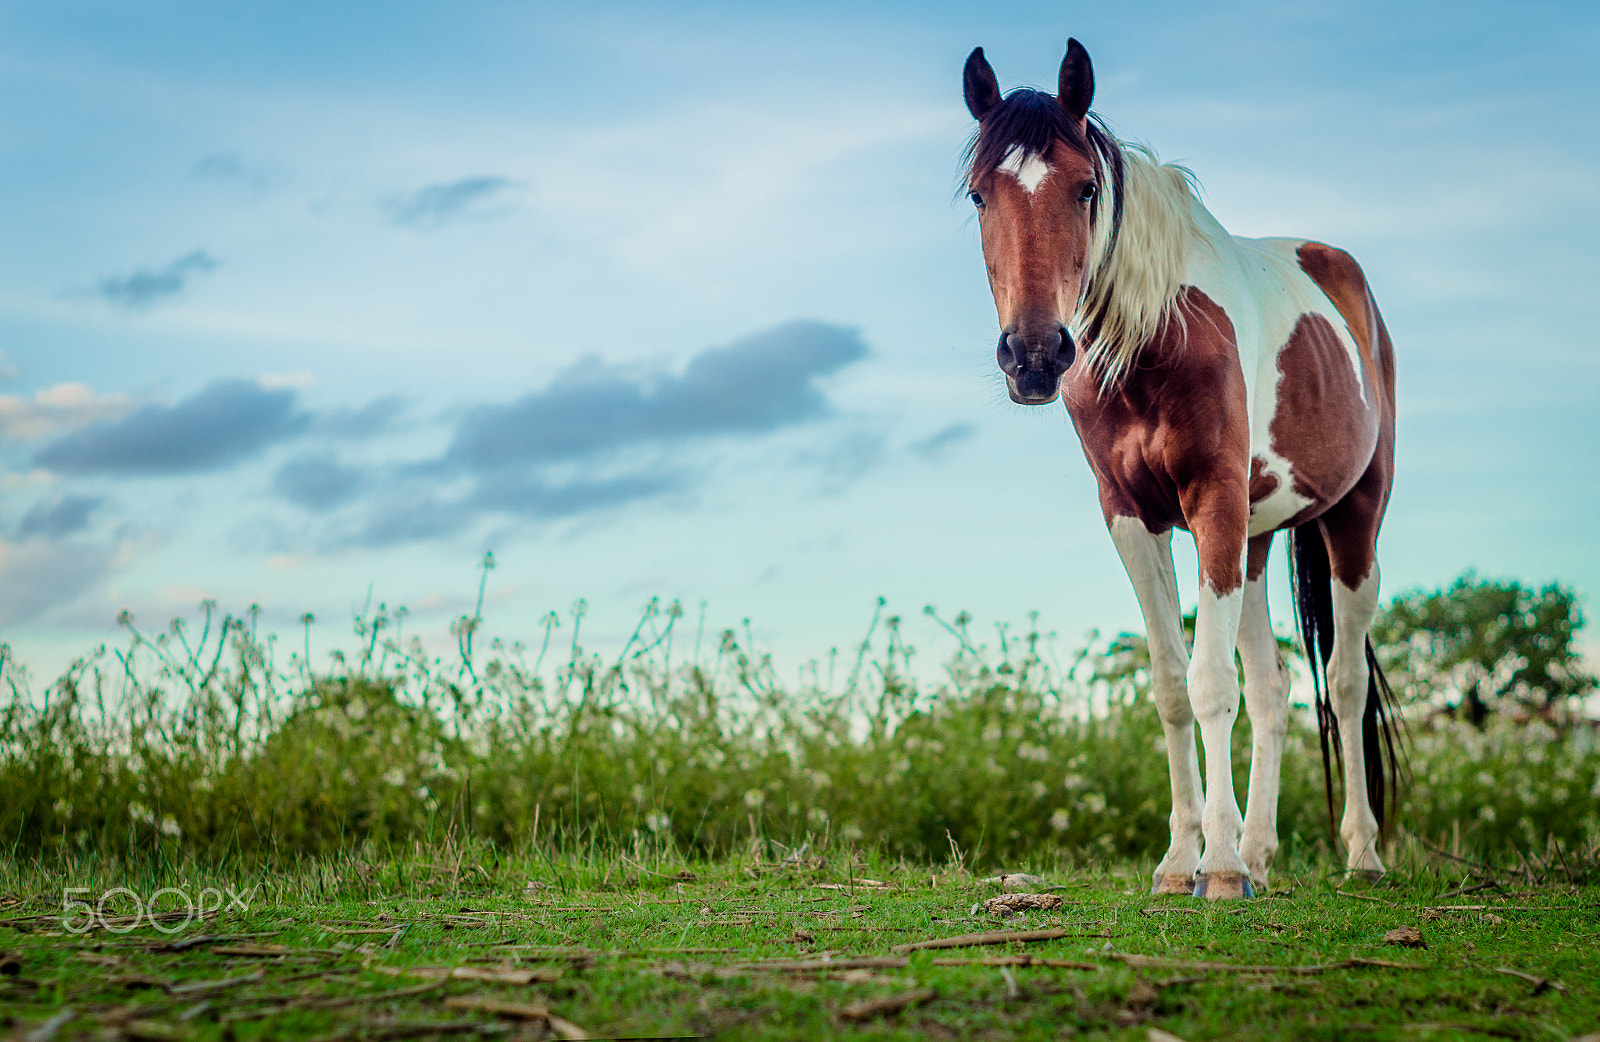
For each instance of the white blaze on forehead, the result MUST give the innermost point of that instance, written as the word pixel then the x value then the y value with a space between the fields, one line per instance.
pixel 1027 167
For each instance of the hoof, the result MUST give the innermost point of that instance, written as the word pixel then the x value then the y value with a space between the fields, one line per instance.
pixel 1223 886
pixel 1173 885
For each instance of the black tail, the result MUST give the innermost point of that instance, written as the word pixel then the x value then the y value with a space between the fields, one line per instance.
pixel 1312 578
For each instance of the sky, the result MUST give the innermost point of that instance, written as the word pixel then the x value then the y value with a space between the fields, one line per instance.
pixel 303 304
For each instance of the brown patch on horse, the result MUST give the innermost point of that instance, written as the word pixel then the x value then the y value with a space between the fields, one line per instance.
pixel 1169 445
pixel 1256 551
pixel 1326 421
pixel 1342 280
pixel 1262 484
pixel 1351 525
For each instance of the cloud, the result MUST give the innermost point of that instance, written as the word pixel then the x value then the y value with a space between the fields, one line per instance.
pixel 411 520
pixel 227 421
pixel 940 441
pixel 8 370
pixel 412 517
pixel 438 204
pixel 319 482
pixel 65 516
pixel 142 290
pixel 354 424
pixel 37 576
pixel 56 409
pixel 531 497
pixel 756 384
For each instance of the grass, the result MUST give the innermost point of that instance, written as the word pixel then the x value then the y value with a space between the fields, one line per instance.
pixel 201 742
pixel 624 846
pixel 641 943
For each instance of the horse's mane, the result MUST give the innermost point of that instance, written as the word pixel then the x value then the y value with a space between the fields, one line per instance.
pixel 1138 245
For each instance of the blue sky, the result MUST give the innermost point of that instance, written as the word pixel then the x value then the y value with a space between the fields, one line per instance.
pixel 301 300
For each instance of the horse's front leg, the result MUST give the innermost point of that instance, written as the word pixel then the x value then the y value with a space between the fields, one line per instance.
pixel 1148 559
pixel 1214 690
pixel 1266 699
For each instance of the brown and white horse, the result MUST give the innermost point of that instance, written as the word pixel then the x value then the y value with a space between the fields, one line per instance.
pixel 1231 387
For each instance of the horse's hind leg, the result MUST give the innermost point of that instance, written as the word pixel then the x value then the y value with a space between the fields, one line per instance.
pixel 1266 699
pixel 1353 611
pixel 1350 529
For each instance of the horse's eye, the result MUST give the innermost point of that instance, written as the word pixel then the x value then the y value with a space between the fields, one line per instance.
pixel 1088 192
pixel 977 200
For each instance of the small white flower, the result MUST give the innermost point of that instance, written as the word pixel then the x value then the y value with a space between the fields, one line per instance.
pixel 1060 820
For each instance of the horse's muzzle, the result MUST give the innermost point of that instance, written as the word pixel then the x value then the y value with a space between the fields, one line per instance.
pixel 1035 363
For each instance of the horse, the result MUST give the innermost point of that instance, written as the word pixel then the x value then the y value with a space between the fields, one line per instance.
pixel 1227 386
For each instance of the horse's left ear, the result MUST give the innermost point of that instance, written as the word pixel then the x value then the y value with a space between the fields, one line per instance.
pixel 1077 81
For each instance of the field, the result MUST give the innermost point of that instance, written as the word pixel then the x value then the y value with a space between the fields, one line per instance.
pixel 671 842
pixel 458 943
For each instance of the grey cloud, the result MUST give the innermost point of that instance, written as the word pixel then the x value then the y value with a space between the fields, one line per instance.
pixel 39 576
pixel 55 519
pixel 411 520
pixel 941 440
pixel 438 204
pixel 531 497
pixel 756 384
pixel 425 516
pixel 319 482
pixel 364 422
pixel 142 290
pixel 227 421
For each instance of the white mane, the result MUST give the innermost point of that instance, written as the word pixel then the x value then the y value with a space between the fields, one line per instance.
pixel 1134 279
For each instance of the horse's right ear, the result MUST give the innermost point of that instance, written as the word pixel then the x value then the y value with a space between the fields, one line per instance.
pixel 982 90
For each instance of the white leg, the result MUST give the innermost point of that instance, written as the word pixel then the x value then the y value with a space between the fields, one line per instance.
pixel 1214 694
pixel 1266 699
pixel 1347 693
pixel 1148 559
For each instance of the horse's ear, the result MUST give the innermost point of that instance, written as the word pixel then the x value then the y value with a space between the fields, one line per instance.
pixel 1077 81
pixel 982 90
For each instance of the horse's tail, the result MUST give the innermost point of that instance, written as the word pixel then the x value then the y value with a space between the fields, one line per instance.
pixel 1312 579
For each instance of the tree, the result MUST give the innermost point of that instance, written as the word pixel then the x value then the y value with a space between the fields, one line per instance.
pixel 1484 646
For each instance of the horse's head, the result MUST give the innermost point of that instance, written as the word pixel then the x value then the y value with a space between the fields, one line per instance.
pixel 1038 171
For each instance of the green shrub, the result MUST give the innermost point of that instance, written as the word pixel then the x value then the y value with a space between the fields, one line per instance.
pixel 211 748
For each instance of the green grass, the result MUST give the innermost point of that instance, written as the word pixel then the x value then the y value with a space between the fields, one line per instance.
pixel 669 816
pixel 627 925
pixel 200 742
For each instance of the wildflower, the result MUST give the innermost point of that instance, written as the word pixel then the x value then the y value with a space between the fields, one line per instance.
pixel 1060 820
pixel 1036 753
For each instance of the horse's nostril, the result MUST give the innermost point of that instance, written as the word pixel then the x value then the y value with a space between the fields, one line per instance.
pixel 1004 355
pixel 1067 350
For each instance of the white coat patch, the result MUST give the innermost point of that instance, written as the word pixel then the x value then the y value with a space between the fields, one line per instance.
pixel 1026 167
